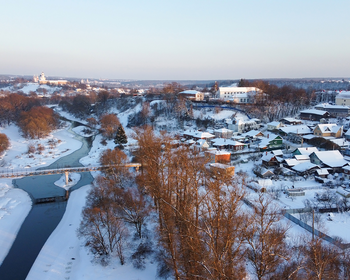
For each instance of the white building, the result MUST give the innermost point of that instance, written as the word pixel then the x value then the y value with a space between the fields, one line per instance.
pixel 193 95
pixel 343 98
pixel 43 80
pixel 238 94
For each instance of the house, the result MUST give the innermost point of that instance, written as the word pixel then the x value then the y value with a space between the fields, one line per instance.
pixel 201 145
pixel 222 168
pixel 291 121
pixel 239 125
pixel 223 133
pixel 314 115
pixel 196 135
pixel 218 156
pixel 264 173
pixel 269 159
pixel 295 130
pixel 271 142
pixel 238 94
pixel 227 144
pixel 322 173
pixel 274 125
pixel 304 151
pixel 295 133
pixel 334 110
pixel 192 95
pixel 333 159
pixel 305 168
pixel 328 130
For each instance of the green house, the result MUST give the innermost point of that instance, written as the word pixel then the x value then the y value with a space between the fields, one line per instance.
pixel 271 142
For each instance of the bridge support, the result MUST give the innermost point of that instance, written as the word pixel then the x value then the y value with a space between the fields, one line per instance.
pixel 66 173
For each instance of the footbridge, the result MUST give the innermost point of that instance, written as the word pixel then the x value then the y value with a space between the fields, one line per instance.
pixel 64 170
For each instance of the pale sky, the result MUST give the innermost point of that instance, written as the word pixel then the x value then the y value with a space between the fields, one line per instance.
pixel 176 39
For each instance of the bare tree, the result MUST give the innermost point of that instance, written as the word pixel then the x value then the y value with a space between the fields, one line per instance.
pixel 265 237
pixel 322 260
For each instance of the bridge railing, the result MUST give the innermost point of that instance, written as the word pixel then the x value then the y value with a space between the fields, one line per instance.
pixel 21 173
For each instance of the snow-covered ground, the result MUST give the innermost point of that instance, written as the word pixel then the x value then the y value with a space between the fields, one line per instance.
pixel 32 87
pixel 15 205
pixel 17 157
pixel 65 257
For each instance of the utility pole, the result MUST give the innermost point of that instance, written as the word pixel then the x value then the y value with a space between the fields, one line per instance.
pixel 313 224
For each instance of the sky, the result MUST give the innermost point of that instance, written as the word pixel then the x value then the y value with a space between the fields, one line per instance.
pixel 182 39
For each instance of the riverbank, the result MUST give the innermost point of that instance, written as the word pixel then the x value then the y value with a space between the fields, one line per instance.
pixel 15 204
pixel 64 256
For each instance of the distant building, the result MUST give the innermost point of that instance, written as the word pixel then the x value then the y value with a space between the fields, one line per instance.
pixel 314 115
pixel 334 110
pixel 238 94
pixel 192 95
pixel 343 98
pixel 43 80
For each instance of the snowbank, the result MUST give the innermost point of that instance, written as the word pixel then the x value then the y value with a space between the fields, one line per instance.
pixel 15 205
pixel 64 256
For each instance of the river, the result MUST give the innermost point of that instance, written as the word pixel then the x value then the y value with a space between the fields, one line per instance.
pixel 43 218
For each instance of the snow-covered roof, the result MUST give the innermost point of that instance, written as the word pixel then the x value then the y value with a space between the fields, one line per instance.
pixel 309 136
pixel 277 152
pixel 251 133
pixel 343 94
pixel 296 129
pixel 340 142
pixel 190 92
pixel 322 171
pixel 267 156
pixel 314 112
pixel 302 157
pixel 307 150
pixel 331 158
pixel 329 127
pixel 223 130
pixel 305 166
pixel 329 106
pixel 274 123
pixel 199 134
pixel 221 152
pixel 239 89
pixel 265 141
pixel 292 120
pixel 292 161
pixel 223 142
pixel 201 142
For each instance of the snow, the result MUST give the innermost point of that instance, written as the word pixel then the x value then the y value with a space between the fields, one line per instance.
pixel 17 157
pixel 73 180
pixel 64 255
pixel 32 87
pixel 15 205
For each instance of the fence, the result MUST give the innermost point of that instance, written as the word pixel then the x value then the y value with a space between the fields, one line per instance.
pixel 309 228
